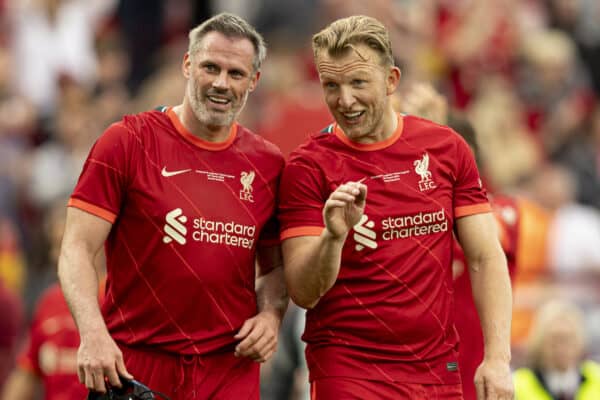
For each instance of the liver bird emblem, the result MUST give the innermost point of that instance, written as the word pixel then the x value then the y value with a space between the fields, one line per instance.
pixel 422 167
pixel 246 179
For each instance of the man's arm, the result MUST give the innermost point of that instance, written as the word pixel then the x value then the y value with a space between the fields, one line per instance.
pixel 21 385
pixel 98 356
pixel 493 298
pixel 312 263
pixel 258 335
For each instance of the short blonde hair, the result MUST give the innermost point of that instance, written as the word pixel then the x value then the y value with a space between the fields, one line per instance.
pixel 549 313
pixel 342 34
pixel 231 26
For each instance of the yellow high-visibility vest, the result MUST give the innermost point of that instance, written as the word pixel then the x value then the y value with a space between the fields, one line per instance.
pixel 528 386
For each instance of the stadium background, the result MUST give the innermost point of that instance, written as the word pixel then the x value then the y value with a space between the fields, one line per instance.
pixel 525 72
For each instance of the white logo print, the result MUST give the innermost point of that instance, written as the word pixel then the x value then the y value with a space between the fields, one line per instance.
pixel 168 174
pixel 174 227
pixel 246 179
pixel 422 169
pixel 364 234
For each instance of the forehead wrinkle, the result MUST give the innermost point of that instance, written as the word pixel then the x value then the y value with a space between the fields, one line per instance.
pixel 334 68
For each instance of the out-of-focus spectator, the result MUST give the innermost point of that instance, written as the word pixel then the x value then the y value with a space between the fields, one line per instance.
pixel 142 23
pixel 288 94
pixel 506 143
pixel 579 18
pixel 582 157
pixel 554 87
pixel 286 375
pixel 12 263
pixel 556 367
pixel 11 324
pixel 52 169
pixel 53 38
pixel 574 232
pixel 49 360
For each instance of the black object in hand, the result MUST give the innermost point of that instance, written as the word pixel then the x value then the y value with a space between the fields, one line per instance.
pixel 131 390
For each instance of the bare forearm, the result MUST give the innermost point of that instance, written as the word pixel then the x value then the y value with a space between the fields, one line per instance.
pixel 271 293
pixel 313 269
pixel 79 283
pixel 493 298
pixel 20 385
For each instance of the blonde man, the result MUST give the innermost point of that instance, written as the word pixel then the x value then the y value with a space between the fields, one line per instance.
pixel 375 271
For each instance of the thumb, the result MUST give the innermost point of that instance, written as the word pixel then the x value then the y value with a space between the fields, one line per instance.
pixel 362 196
pixel 122 370
pixel 480 389
pixel 243 332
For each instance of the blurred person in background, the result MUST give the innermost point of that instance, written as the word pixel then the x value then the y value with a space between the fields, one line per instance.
pixel 556 367
pixel 423 100
pixel 359 346
pixel 12 321
pixel 59 35
pixel 285 377
pixel 183 198
pixel 48 363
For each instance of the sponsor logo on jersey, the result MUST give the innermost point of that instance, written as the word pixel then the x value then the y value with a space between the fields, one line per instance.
pixel 398 227
pixel 168 174
pixel 422 169
pixel 246 178
pixel 420 224
pixel 364 235
pixel 229 233
pixel 174 226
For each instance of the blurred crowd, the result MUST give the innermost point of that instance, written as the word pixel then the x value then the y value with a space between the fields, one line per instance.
pixel 525 73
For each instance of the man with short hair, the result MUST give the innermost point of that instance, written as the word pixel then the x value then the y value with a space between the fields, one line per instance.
pixel 375 270
pixel 183 199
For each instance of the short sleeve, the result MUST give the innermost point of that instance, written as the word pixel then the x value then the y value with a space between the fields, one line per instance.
pixel 302 195
pixel 104 178
pixel 469 195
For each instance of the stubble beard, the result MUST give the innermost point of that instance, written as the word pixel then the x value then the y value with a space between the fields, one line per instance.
pixel 198 103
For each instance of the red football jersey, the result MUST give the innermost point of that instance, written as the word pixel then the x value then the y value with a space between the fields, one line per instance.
pixel 506 211
pixel 389 315
pixel 187 217
pixel 51 351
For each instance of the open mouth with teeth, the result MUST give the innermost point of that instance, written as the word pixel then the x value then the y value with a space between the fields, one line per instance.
pixel 352 116
pixel 221 101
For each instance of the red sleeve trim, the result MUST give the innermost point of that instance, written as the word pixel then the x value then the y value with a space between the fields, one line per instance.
pixel 472 209
pixel 301 231
pixel 92 209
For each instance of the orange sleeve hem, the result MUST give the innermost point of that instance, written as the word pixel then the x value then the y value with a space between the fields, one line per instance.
pixel 92 209
pixel 472 209
pixel 301 231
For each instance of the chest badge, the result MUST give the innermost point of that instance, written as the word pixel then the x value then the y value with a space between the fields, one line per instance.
pixel 246 179
pixel 422 169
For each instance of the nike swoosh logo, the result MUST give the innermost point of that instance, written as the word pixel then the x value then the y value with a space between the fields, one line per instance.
pixel 167 174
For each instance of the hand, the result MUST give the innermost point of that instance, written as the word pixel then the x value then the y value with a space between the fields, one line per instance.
pixel 493 381
pixel 258 337
pixel 344 208
pixel 99 358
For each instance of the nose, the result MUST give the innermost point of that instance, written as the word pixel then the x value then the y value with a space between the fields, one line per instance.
pixel 346 99
pixel 221 81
